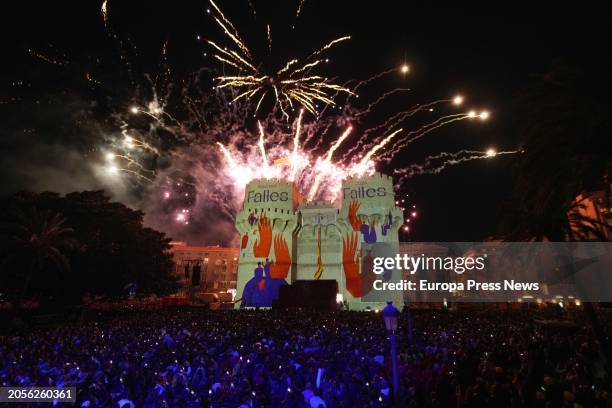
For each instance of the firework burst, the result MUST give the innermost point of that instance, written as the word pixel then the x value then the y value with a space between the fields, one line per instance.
pixel 318 176
pixel 289 86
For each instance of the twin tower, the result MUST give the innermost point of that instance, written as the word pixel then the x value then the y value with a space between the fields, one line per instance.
pixel 283 239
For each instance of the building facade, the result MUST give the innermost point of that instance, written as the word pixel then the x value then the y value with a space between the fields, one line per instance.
pixel 207 268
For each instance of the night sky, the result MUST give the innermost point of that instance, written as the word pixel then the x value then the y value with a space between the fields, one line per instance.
pixel 488 54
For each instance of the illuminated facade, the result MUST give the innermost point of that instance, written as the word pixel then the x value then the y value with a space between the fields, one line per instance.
pixel 292 239
pixel 209 268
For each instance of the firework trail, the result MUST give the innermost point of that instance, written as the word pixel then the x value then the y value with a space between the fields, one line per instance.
pixel 417 134
pixel 299 8
pixel 45 58
pixel 112 157
pixel 324 167
pixel 363 82
pixel 316 175
pixel 392 122
pixel 262 146
pixel 380 99
pixel 252 7
pixel 296 146
pixel 338 143
pixel 435 164
pixel 104 11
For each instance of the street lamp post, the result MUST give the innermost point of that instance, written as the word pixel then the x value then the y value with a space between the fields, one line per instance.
pixel 409 325
pixel 391 316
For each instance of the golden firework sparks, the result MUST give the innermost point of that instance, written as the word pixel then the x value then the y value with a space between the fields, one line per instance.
pixel 296 146
pixel 290 84
pixel 104 10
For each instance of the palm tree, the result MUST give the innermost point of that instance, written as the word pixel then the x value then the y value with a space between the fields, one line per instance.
pixel 565 221
pixel 39 239
pixel 567 151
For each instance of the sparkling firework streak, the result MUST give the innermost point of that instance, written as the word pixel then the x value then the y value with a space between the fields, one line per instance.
pixel 296 146
pixel 46 58
pixel 299 8
pixel 269 32
pixel 318 177
pixel 435 164
pixel 292 84
pixel 413 136
pixel 111 157
pixel 262 146
pixel 114 169
pixel 104 10
pixel 338 142
pixel 393 121
pixel 325 166
pixel 131 142
pixel 378 146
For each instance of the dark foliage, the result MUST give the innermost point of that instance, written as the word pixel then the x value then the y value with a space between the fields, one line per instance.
pixel 62 248
pixel 567 151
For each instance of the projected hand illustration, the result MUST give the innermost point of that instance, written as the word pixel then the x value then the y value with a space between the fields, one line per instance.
pixel 352 215
pixel 358 284
pixel 280 268
pixel 261 247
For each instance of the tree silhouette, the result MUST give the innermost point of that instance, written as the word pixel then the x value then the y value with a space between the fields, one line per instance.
pixel 39 240
pixel 115 250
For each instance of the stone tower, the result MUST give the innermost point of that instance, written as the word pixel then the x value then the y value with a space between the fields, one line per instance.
pixel 266 224
pixel 317 240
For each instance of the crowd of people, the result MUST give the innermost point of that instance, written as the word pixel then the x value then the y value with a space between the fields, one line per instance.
pixel 190 358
